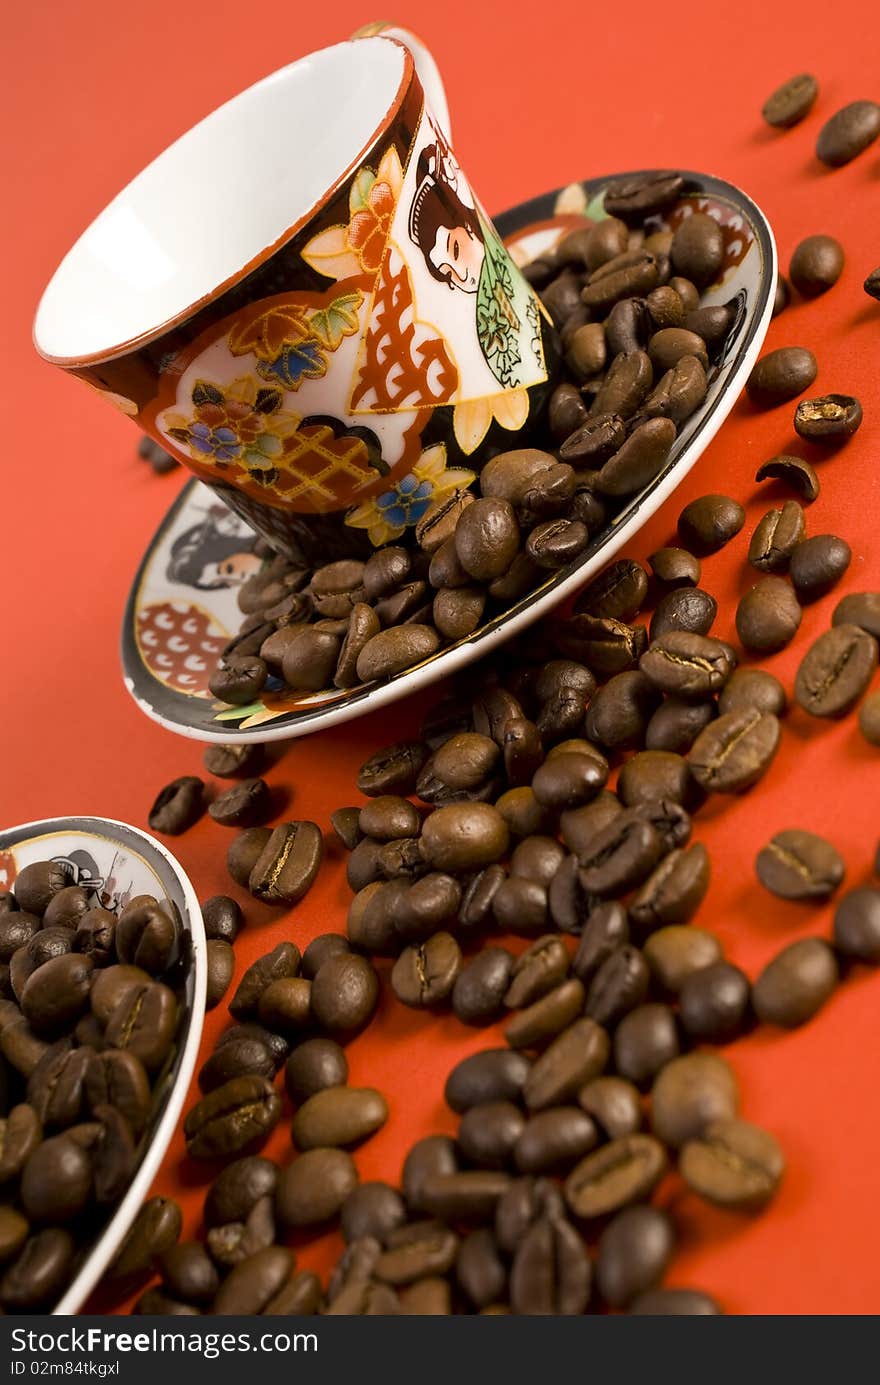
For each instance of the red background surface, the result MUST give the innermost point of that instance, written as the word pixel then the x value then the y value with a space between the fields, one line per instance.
pixel 91 93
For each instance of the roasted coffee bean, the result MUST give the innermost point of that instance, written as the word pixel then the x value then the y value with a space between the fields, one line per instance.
pixel 57 993
pixel 148 935
pixel 244 852
pixel 667 346
pixel 20 1133
pixel 67 907
pixel 487 537
pixel 232 761
pixel 796 983
pixel 557 542
pixel 465 761
pixel 300 1297
pixel 710 323
pixel 816 265
pixel 35 1279
pixel 675 952
pixel 626 385
pixel 96 936
pixel 16 930
pixel 652 774
pixel 247 804
pixel 560 297
pixel 519 905
pixel 679 392
pixel 733 1164
pixel 817 564
pixel 310 659
pixel 111 985
pixel 56 1181
pixel 795 472
pixel 457 613
pixel 619 591
pixel 346 824
pixel 14 1230
pixel 155 1230
pixel 438 522
pixel 685 608
pixel 578 825
pixel 872 284
pixel 313 1067
pixel 393 769
pixel 318 950
pixel 627 275
pixel 432 1154
pixel 675 725
pixel 496 1074
pixel 537 858
pixel 252 1284
pixel 488 1133
pixel 645 1040
pixel 619 985
pixel 735 750
pixel 339 1116
pixel 240 678
pixel 614 1104
pixel 37 884
pixel 345 993
pixel 639 459
pixel 282 961
pixel 848 132
pixel 674 890
pixel 554 1140
pixel 188 1273
pixel 481 985
pixel 56 1087
pixel 856 927
pixel 470 1195
pixel 621 856
pixel 241 1112
pixel 526 1201
pixel 663 304
pixel 238 1188
pixel 634 1251
pixel 835 671
pixel 859 608
pixel 698 249
pixel 574 1058
pixel 689 1094
pixel 641 196
pixel 372 1209
pixel 831 418
pixel 229 1245
pixel 221 967
pixel 752 688
pixel 799 865
pixel 546 1017
pixel 363 624
pixel 424 975
pixel 782 296
pixel 389 816
pixel 620 711
pixel 605 931
pixel 393 650
pixel 628 326
pixel 464 836
pixel 538 970
pixel 781 375
pixel 480 1268
pixel 675 567
pixel 791 102
pixel 362 867
pixel 595 440
pixel 687 665
pixel 608 646
pixel 551 1271
pixel 708 523
pixel 180 804
pixel 569 780
pixel 236 1058
pixel 714 1003
pixel 118 1079
pixel 775 538
pixel 869 719
pixel 288 864
pixel 154 1303
pixel 622 1172
pixel 565 412
pixel 768 616
pixel 415 1251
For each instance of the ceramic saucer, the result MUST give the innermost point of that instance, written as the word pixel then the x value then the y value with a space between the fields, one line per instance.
pixel 182 608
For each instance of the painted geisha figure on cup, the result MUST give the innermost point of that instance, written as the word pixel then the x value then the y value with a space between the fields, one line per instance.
pixel 461 250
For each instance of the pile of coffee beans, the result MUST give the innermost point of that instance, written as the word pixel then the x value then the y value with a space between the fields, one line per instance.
pixel 89 1023
pixel 639 350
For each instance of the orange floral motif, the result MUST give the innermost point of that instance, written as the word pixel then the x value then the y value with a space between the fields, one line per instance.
pixel 268 334
pixel 368 229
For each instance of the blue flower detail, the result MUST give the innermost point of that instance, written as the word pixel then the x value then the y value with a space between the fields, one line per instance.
pixel 220 443
pixel 406 504
pixel 304 361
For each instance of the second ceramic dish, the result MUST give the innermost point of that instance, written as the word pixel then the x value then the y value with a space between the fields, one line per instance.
pixel 182 609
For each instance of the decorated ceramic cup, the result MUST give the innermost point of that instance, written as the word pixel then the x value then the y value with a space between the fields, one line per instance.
pixel 304 302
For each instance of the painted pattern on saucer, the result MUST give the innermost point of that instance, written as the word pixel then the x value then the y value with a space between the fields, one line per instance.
pixel 183 608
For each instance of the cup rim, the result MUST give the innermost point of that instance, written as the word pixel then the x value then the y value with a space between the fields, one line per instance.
pixel 155 333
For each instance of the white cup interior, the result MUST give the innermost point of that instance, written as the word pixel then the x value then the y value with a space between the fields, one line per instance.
pixel 233 186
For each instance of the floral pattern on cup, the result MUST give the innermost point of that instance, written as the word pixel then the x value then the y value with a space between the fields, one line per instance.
pixel 386 517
